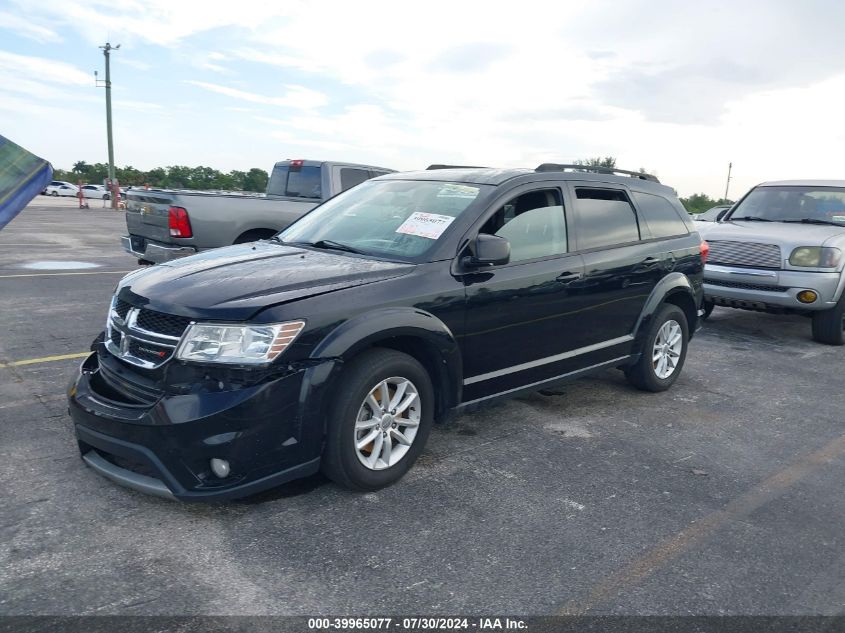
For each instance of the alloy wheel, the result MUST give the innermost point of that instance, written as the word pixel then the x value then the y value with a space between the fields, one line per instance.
pixel 668 345
pixel 387 423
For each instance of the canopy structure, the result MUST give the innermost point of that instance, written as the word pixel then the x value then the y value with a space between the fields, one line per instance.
pixel 22 177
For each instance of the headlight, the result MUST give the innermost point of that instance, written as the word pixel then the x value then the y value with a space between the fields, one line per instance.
pixel 816 257
pixel 237 344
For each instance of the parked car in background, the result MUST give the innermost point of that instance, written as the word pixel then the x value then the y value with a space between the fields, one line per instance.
pixel 164 224
pixel 60 188
pixel 780 250
pixel 713 214
pixel 339 342
pixel 95 191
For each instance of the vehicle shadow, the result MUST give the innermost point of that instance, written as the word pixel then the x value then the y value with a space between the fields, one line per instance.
pixel 286 491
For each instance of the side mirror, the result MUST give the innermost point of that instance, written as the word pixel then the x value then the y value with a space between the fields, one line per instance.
pixel 489 250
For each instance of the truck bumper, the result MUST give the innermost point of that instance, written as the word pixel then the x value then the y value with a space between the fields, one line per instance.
pixel 153 251
pixel 769 289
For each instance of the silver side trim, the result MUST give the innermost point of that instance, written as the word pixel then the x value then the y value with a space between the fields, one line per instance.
pixel 548 359
pixel 127 478
pixel 546 381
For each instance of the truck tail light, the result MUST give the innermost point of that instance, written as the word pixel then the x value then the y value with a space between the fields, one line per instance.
pixel 705 251
pixel 179 223
pixel 296 165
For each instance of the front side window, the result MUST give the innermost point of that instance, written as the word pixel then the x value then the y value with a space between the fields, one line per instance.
pixel 533 223
pixel 822 205
pixel 387 218
pixel 605 218
pixel 660 216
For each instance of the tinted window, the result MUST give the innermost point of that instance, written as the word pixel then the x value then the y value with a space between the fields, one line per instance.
pixel 605 218
pixel 533 223
pixel 350 177
pixel 297 182
pixel 660 216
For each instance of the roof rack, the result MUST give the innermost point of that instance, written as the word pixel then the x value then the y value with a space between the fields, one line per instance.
pixel 596 169
pixel 454 167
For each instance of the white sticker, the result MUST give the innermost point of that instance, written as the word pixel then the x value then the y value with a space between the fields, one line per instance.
pixel 430 225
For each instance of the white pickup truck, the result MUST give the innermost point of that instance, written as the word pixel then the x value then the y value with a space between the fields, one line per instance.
pixel 166 224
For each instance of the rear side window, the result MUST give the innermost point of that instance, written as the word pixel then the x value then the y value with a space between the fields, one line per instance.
pixel 660 216
pixel 297 182
pixel 350 177
pixel 605 218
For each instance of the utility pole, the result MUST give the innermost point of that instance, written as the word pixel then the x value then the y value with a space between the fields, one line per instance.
pixel 106 52
pixel 728 183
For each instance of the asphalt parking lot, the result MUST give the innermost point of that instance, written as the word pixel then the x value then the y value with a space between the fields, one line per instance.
pixel 721 496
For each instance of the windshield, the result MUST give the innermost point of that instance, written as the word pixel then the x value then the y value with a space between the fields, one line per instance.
pixel 402 218
pixel 793 204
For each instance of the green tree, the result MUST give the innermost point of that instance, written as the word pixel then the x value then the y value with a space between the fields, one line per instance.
pixel 81 167
pixel 608 162
pixel 256 180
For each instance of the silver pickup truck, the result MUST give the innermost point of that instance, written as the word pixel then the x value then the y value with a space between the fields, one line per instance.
pixel 166 224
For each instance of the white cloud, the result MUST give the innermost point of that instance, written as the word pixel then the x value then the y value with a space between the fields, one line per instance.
pixel 296 97
pixel 680 88
pixel 28 28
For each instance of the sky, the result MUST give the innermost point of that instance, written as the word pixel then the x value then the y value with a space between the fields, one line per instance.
pixel 678 88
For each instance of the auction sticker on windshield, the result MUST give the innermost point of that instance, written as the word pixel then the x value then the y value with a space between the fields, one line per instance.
pixel 430 225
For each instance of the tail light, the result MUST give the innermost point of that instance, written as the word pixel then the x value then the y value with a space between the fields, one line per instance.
pixel 179 223
pixel 705 251
pixel 296 165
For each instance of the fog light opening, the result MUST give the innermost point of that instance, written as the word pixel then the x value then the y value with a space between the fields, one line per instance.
pixel 807 296
pixel 220 467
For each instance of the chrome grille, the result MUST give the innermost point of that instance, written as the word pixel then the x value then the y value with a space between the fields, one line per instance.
pixel 142 337
pixel 748 254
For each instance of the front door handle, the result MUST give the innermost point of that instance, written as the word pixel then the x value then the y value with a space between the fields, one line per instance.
pixel 568 276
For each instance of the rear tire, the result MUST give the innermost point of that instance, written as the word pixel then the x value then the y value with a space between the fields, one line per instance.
pixel 663 353
pixel 359 412
pixel 829 325
pixel 55 194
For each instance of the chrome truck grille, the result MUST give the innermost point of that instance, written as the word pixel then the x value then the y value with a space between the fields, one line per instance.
pixel 748 254
pixel 142 337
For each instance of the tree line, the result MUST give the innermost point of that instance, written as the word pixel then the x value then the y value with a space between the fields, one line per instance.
pixel 172 177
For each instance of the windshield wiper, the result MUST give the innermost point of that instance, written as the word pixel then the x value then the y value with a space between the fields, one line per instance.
pixel 749 218
pixel 814 221
pixel 330 244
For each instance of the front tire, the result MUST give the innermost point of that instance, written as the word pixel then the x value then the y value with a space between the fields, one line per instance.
pixel 55 194
pixel 707 306
pixel 829 325
pixel 664 351
pixel 380 421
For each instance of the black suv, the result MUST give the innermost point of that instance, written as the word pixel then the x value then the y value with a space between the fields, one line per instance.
pixel 336 344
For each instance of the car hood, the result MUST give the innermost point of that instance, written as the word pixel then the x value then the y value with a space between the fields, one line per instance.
pixel 235 282
pixel 787 235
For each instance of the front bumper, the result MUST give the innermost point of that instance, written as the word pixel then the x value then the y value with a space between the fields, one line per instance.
pixel 164 447
pixel 759 289
pixel 155 252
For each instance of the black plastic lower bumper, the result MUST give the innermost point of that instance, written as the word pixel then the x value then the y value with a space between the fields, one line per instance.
pixel 165 448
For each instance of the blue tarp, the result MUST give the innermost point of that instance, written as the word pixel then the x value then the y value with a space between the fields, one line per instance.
pixel 22 177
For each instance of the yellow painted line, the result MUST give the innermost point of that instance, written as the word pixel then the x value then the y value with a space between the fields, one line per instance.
pixel 672 547
pixel 46 359
pixel 95 272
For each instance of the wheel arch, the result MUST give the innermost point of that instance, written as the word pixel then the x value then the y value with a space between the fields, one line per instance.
pixel 415 332
pixel 675 288
pixel 253 234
